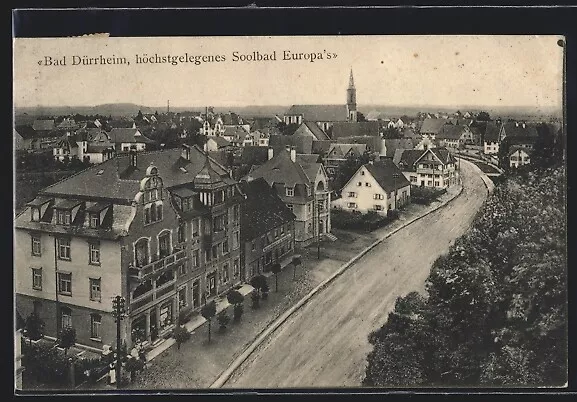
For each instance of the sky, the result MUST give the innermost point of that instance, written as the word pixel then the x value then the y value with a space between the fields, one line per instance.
pixel 388 70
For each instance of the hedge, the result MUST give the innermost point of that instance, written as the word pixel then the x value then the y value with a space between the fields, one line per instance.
pixel 346 220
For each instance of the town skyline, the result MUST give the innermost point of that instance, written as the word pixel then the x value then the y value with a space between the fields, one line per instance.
pixel 388 70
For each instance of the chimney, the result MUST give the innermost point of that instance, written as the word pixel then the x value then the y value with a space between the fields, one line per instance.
pixel 270 153
pixel 516 124
pixel 293 152
pixel 132 156
pixel 523 125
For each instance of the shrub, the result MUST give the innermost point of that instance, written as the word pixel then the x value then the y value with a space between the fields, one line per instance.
pixel 45 363
pixel 223 320
pixel 184 315
pixel 67 338
pixel 181 335
pixel 34 326
pixel 425 195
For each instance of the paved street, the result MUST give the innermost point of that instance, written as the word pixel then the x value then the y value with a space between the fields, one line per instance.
pixel 325 343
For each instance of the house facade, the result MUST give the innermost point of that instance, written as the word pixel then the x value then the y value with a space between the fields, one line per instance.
pixel 303 187
pixel 432 167
pixel 126 139
pixel 268 234
pixel 160 229
pixel 519 156
pixel 377 186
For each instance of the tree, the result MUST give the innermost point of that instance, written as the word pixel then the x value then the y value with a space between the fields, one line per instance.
pixel 139 116
pixel 296 262
pixel 235 298
pixel 34 326
pixel 208 311
pixel 276 269
pixel 180 335
pixel 391 132
pixel 360 117
pixel 258 282
pixel 67 338
pixel 223 320
pixel 483 116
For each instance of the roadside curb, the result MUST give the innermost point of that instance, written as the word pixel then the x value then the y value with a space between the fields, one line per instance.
pixel 226 374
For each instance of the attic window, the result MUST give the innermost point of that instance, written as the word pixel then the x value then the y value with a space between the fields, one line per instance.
pixel 100 172
pixel 35 214
pixel 183 170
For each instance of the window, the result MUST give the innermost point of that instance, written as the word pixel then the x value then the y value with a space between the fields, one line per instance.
pixel 159 212
pixel 37 278
pixel 236 240
pixel 282 230
pixel 309 208
pixel 182 298
pixel 65 283
pixel 225 273
pixel 253 246
pixel 379 197
pixel 182 270
pixel 236 268
pixel 95 289
pixel 290 207
pixel 94 253
pixel 141 252
pixel 153 213
pixel 164 244
pixel 63 248
pixel 66 317
pixel 95 322
pixel 225 247
pixel 352 194
pixel 215 251
pixel 181 233
pixel 195 227
pixel 207 255
pixel 359 184
pixel 220 222
pixel 35 214
pixel 195 258
pixel 378 207
pixel 352 204
pixel 94 220
pixel 166 277
pixel 362 172
pixel 436 184
pixel 413 179
pixel 36 245
pixel 236 213
pixel 290 192
pixel 63 217
pixel 367 184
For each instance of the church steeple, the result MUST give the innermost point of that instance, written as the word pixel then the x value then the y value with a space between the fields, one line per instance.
pixel 352 99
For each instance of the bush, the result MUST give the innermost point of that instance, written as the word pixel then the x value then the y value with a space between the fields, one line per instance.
pixel 34 326
pixel 45 363
pixel 181 335
pixel 223 320
pixel 425 195
pixel 184 315
pixel 67 338
pixel 346 220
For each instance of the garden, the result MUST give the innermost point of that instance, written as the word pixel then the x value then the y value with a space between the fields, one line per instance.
pixel 356 221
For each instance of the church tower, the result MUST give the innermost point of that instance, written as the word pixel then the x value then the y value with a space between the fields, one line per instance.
pixel 352 99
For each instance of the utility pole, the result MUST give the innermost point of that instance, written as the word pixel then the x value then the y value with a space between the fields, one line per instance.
pixel 118 312
pixel 395 176
pixel 318 230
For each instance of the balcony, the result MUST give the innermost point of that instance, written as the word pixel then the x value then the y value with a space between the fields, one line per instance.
pixel 142 273
pixel 429 171
pixel 277 242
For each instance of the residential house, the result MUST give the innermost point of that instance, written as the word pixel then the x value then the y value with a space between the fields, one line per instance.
pixel 24 137
pixel 303 187
pixel 491 138
pixel 519 134
pixel 160 229
pixel 427 141
pixel 338 155
pixel 432 167
pixel 43 125
pixel 392 144
pixel 311 129
pixel 519 156
pixel 260 138
pixel 302 144
pixel 356 129
pixel 121 123
pixel 432 126
pixel 454 136
pixel 377 186
pixel 236 135
pixel 212 125
pixel 216 144
pixel 326 115
pixel 268 229
pixel 125 139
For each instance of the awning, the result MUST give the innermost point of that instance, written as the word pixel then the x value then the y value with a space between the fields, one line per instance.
pixel 245 289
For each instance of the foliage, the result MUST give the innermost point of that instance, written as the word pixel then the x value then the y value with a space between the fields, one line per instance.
pixel 392 132
pixel 350 167
pixel 495 313
pixel 235 297
pixel 223 320
pixel 287 129
pixel 483 116
pixel 259 283
pixel 180 335
pixel 45 363
pixel 425 195
pixel 238 310
pixel 34 326
pixel 355 220
pixel 67 338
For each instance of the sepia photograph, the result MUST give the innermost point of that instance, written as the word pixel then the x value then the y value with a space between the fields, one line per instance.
pixel 289 212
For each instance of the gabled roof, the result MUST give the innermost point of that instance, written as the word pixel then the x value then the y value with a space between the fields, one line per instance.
pixel 121 123
pixel 128 135
pixel 321 147
pixel 405 158
pixel 432 126
pixel 373 144
pixel 302 144
pixel 327 113
pixel 356 129
pixel 514 149
pixel 253 155
pixel 263 210
pixel 517 130
pixel 43 125
pixel 311 128
pixel 384 172
pixel 491 132
pixel 230 119
pixel 392 144
pixel 441 153
pixel 220 141
pixel 26 131
pixel 308 158
pixel 281 169
pixel 238 133
pixel 340 150
pixel 451 132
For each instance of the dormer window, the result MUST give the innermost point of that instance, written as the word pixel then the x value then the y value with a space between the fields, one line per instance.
pixel 63 217
pixel 94 220
pixel 290 191
pixel 35 214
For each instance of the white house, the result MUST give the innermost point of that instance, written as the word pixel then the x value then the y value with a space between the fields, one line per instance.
pixel 518 156
pixel 432 167
pixel 378 186
pixel 125 139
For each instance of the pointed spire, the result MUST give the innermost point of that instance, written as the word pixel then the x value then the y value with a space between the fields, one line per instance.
pixel 351 79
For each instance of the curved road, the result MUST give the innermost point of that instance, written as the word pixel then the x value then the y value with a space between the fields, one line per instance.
pixel 325 344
